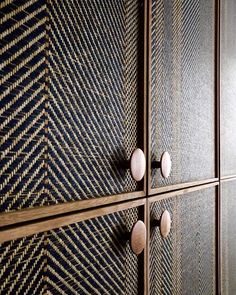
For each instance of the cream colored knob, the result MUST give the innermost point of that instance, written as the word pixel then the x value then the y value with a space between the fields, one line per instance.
pixel 138 164
pixel 138 237
pixel 164 164
pixel 164 224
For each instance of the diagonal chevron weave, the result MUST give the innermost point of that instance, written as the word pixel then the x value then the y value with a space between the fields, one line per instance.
pixel 182 89
pixel 90 257
pixel 184 262
pixel 69 99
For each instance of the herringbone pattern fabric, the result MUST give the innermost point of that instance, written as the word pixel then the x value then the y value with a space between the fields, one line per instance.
pixel 22 104
pixel 69 99
pixel 93 94
pixel 93 257
pixel 182 89
pixel 90 257
pixel 184 262
pixel 22 264
pixel 228 238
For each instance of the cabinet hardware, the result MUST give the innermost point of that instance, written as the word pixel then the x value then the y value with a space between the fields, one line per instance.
pixel 136 164
pixel 138 237
pixel 164 164
pixel 164 223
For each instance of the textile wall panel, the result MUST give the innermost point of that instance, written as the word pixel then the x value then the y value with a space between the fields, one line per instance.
pixel 182 89
pixel 184 262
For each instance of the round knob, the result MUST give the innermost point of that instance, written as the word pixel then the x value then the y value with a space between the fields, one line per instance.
pixel 138 237
pixel 164 223
pixel 164 164
pixel 137 164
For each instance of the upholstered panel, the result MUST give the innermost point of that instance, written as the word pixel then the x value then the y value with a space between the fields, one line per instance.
pixel 184 262
pixel 228 237
pixel 182 89
pixel 228 88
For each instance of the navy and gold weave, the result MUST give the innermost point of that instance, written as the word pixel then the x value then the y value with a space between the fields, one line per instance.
pixel 182 89
pixel 69 101
pixel 93 91
pixel 22 266
pixel 184 263
pixel 22 103
pixel 89 257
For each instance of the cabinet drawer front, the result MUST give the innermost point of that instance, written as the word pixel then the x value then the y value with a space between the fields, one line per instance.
pixel 89 257
pixel 182 90
pixel 228 88
pixel 228 237
pixel 184 261
pixel 95 97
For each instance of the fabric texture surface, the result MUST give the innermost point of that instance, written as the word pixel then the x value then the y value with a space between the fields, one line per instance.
pixel 70 99
pixel 182 89
pixel 89 257
pixel 184 262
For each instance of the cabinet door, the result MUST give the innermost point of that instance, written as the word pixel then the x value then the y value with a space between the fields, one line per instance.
pixel 71 102
pixel 182 99
pixel 228 88
pixel 95 103
pixel 93 256
pixel 228 237
pixel 184 262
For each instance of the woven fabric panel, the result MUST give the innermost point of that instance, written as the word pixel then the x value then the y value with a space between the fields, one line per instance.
pixel 228 237
pixel 69 101
pixel 22 264
pixel 228 88
pixel 184 262
pixel 182 89
pixel 92 257
pixel 93 90
pixel 22 104
pixel 89 257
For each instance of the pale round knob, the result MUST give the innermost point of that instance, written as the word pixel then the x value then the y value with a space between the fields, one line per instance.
pixel 138 164
pixel 165 224
pixel 165 164
pixel 138 237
